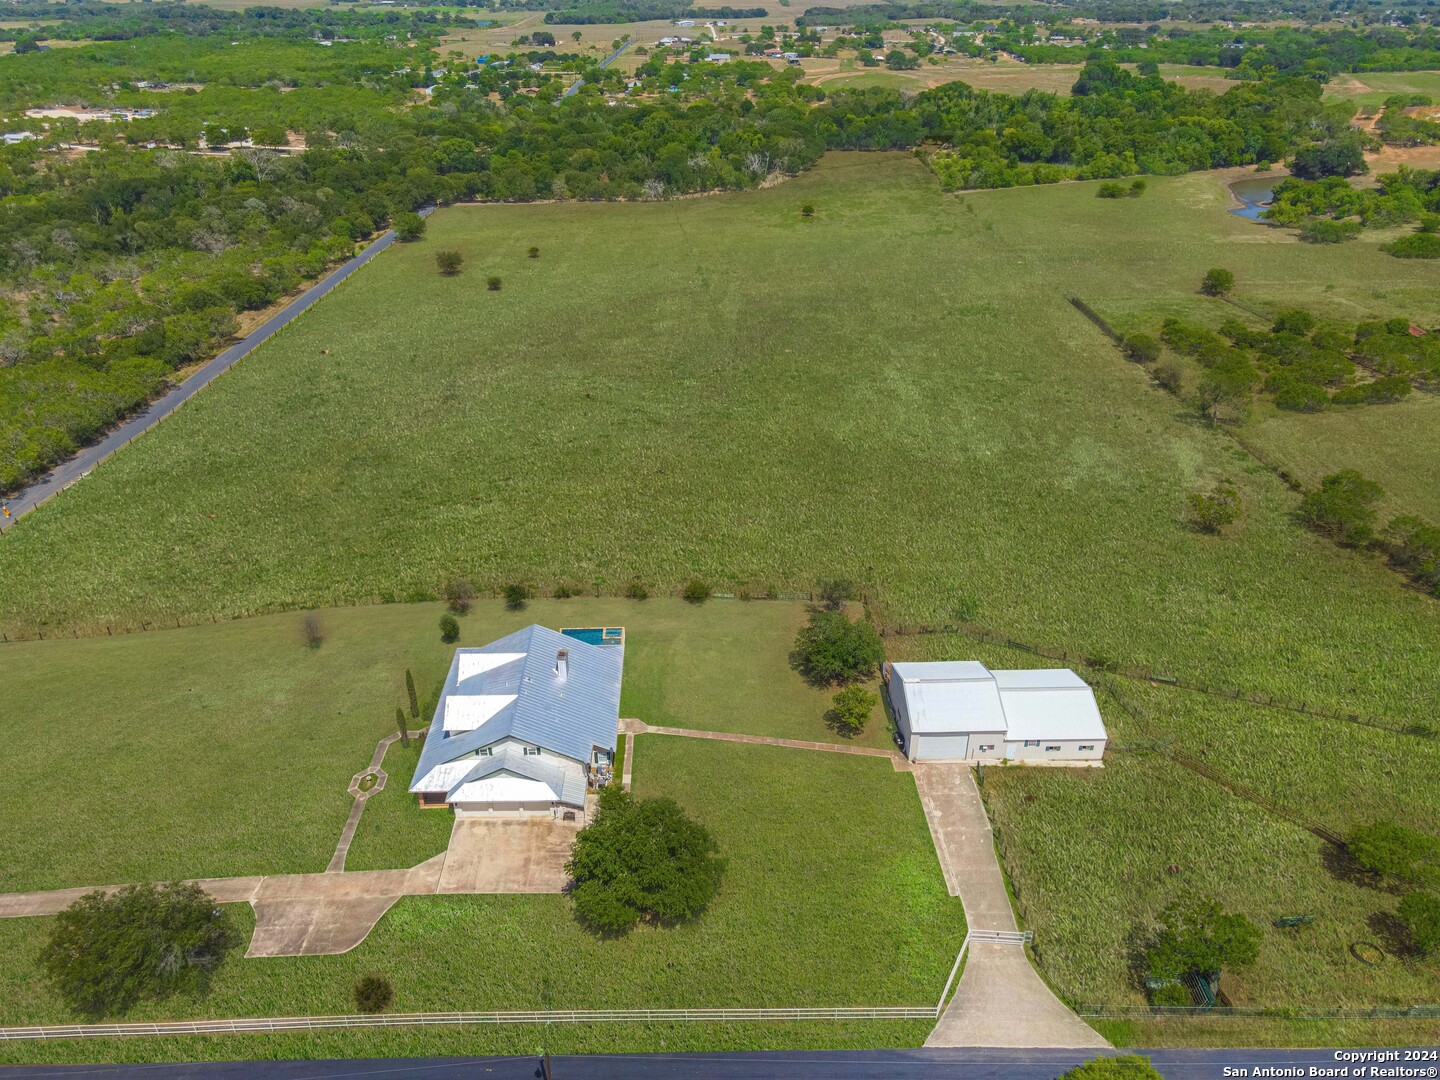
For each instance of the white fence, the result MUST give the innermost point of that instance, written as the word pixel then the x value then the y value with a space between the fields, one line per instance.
pixel 552 1016
pixel 539 1016
pixel 1001 937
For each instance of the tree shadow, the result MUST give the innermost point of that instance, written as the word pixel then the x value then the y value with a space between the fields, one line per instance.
pixel 1341 865
pixel 834 722
pixel 1392 935
pixel 1137 943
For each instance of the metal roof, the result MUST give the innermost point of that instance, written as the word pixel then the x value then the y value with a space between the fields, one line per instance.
pixel 567 784
pixel 966 696
pixel 958 695
pixel 569 714
pixel 1065 712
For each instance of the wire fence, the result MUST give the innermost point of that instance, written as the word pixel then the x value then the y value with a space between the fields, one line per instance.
pixel 1187 1012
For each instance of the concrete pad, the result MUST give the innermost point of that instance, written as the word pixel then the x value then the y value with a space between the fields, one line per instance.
pixel 507 855
pixel 1001 1001
pixel 314 926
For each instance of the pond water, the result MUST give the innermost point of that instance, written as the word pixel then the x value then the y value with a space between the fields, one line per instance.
pixel 1255 195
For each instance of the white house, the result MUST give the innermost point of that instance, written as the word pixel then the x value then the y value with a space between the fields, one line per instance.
pixel 525 725
pixel 962 711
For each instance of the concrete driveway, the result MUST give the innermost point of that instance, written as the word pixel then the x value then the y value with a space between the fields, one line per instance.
pixel 1001 1000
pixel 507 855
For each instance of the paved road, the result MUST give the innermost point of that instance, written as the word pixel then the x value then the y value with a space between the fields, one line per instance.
pixel 815 1065
pixel 66 473
pixel 575 87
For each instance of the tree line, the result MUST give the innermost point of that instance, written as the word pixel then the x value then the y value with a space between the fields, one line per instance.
pixel 126 263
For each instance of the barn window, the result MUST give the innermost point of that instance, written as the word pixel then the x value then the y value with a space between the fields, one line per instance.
pixel 1032 742
pixel 985 748
pixel 1049 749
pixel 1090 746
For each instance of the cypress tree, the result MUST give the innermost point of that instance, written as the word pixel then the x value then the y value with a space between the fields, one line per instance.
pixel 404 727
pixel 410 689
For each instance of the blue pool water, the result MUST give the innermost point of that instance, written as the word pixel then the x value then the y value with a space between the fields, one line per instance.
pixel 597 635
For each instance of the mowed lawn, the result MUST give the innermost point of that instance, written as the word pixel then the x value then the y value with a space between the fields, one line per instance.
pixel 226 749
pixel 1093 856
pixel 832 895
pixel 896 392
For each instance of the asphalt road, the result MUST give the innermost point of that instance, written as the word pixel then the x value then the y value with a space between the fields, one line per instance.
pixel 959 1064
pixel 575 87
pixel 68 472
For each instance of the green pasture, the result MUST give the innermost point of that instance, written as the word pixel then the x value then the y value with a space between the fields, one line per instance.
pixel 1094 855
pixel 896 392
pixel 228 747
pixel 820 905
pixel 1369 89
pixel 1397 445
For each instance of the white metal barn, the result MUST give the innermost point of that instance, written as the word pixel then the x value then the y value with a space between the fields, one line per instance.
pixel 960 710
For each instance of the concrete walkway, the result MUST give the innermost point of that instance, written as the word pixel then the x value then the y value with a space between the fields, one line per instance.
pixel 1000 1001
pixel 636 727
pixel 347 834
pixel 295 914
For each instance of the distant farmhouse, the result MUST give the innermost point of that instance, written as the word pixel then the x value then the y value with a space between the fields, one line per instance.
pixel 963 711
pixel 525 725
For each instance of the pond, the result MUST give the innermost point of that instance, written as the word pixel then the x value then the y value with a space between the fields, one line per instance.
pixel 1255 194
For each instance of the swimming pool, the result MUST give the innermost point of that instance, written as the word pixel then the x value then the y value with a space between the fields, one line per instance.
pixel 597 635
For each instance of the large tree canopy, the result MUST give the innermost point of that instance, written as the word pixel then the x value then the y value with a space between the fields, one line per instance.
pixel 1201 938
pixel 832 649
pixel 106 953
pixel 641 859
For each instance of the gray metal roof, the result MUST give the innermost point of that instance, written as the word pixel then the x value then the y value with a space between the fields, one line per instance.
pixel 569 715
pixel 1026 704
pixel 568 783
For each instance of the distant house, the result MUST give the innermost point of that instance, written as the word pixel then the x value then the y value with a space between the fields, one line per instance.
pixel 13 137
pixel 963 711
pixel 718 58
pixel 525 725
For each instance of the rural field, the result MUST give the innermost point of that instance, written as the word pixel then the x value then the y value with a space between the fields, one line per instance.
pixel 230 746
pixel 897 392
pixel 819 905
pixel 1094 855
pixel 1398 445
pixel 1370 89
pixel 641 403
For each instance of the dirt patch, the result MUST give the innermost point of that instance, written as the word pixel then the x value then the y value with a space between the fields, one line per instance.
pixel 1391 158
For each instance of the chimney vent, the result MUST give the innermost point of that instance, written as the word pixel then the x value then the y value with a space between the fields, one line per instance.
pixel 562 663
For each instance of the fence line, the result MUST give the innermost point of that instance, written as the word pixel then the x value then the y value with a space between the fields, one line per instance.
pixel 1255 1012
pixel 1165 747
pixel 537 1016
pixel 1417 729
pixel 382 1020
pixel 1094 316
pixel 1199 767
